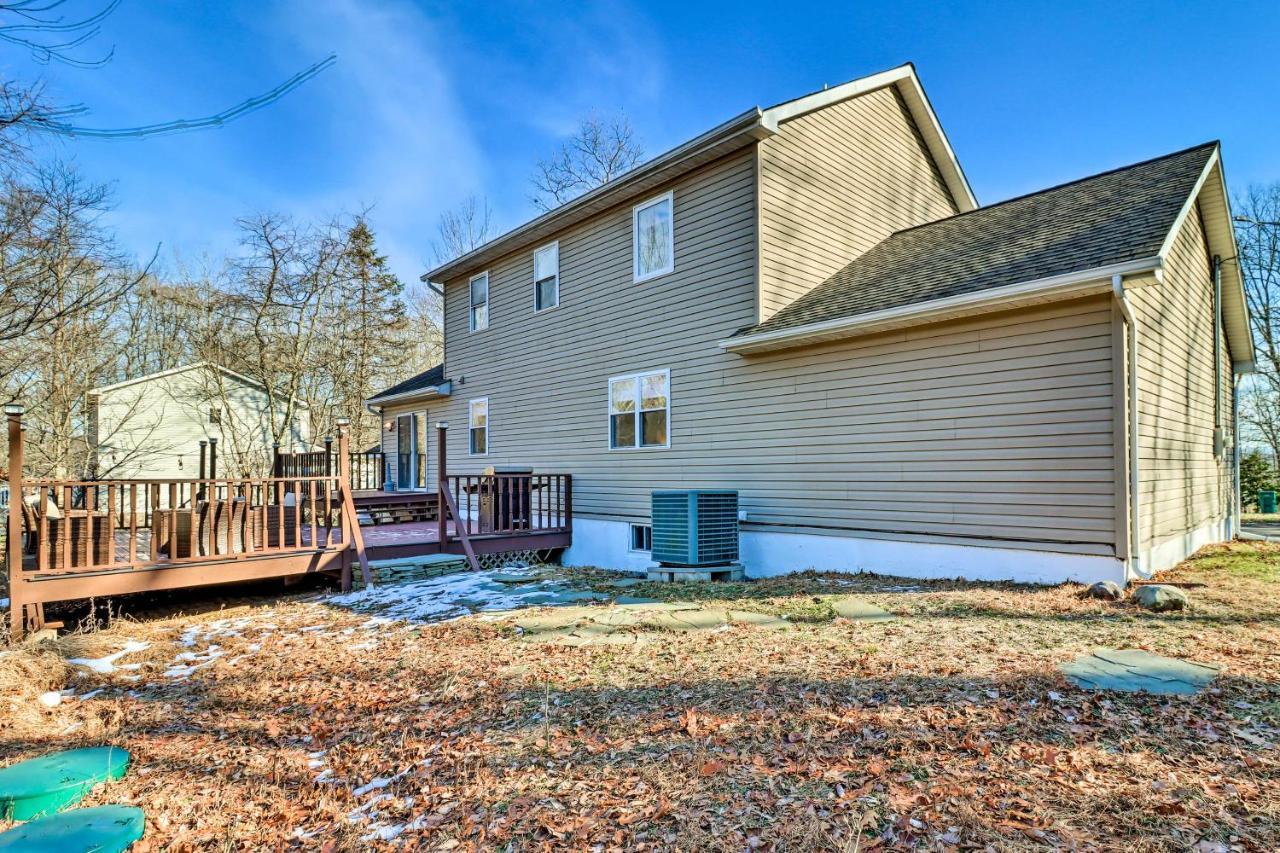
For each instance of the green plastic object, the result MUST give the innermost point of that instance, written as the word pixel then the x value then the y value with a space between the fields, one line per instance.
pixel 46 784
pixel 101 829
pixel 1267 502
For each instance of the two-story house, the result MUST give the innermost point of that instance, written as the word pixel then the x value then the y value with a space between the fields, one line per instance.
pixel 807 304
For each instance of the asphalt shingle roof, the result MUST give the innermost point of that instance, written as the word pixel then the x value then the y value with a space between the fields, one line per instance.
pixel 426 379
pixel 1117 216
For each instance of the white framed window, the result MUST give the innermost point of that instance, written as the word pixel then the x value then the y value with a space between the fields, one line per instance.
pixel 480 302
pixel 652 234
pixel 546 277
pixel 640 410
pixel 478 427
pixel 642 538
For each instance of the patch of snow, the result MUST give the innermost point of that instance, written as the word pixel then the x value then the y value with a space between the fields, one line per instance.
pixel 456 595
pixel 52 699
pixel 385 832
pixel 325 777
pixel 91 694
pixel 378 783
pixel 107 665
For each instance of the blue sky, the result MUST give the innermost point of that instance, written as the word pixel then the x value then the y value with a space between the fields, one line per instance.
pixel 432 102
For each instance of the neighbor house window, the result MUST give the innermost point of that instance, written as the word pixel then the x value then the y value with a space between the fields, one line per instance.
pixel 641 537
pixel 215 416
pixel 639 409
pixel 480 302
pixel 651 237
pixel 479 424
pixel 546 277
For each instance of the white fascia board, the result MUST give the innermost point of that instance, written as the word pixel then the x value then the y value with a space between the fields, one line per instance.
pixel 1054 287
pixel 746 127
pixel 441 390
pixel 1211 191
pixel 908 85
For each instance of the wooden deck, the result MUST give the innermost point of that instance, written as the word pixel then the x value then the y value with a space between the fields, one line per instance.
pixel 83 539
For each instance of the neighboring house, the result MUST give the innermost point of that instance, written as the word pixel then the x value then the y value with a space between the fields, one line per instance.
pixel 807 305
pixel 152 426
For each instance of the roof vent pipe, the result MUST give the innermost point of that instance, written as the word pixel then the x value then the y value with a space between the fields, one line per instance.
pixel 1133 564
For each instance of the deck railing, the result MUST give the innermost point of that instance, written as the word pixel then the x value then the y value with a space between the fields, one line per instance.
pixel 512 504
pixel 87 526
pixel 368 468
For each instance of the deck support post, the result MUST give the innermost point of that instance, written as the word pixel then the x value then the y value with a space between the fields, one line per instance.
pixel 442 467
pixel 213 458
pixel 348 503
pixel 22 616
pixel 277 461
pixel 328 456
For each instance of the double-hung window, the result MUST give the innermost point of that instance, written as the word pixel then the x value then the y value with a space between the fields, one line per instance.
pixel 653 248
pixel 478 423
pixel 480 302
pixel 639 410
pixel 546 277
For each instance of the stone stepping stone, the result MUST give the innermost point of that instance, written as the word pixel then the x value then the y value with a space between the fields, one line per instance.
pixel 631 599
pixel 102 829
pixel 43 785
pixel 760 620
pixel 1133 670
pixel 859 610
pixel 511 578
pixel 623 583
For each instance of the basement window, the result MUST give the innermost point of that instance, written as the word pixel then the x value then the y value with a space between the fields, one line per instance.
pixel 642 537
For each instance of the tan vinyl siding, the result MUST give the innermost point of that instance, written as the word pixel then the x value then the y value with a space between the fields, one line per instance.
pixel 996 429
pixel 834 183
pixel 1183 486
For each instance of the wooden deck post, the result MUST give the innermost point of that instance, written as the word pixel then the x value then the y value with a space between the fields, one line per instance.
pixel 277 462
pixel 213 458
pixel 348 503
pixel 328 456
pixel 204 445
pixel 442 452
pixel 17 606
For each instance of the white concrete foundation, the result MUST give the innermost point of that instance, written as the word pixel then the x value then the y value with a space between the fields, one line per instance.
pixel 1169 552
pixel 767 554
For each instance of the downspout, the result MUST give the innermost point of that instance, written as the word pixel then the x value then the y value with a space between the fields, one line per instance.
pixel 1133 563
pixel 1236 497
pixel 1219 437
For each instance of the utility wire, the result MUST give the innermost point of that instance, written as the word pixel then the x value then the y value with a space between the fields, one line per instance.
pixel 50 122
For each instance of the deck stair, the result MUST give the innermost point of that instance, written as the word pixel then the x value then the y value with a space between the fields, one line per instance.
pixel 378 508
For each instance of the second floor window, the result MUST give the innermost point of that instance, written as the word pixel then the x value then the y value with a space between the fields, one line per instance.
pixel 479 426
pixel 639 408
pixel 215 416
pixel 651 237
pixel 480 302
pixel 546 277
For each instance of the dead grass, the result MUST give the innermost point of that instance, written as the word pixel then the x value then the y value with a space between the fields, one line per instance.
pixel 949 728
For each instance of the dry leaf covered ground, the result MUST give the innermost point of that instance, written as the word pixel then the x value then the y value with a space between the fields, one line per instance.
pixel 294 724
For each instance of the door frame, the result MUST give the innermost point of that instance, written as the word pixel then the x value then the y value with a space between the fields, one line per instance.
pixel 419 453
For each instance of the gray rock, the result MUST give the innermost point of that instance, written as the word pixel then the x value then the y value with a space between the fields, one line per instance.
pixel 1160 597
pixel 1106 590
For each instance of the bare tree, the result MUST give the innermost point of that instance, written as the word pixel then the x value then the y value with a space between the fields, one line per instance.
pixel 600 150
pixel 1258 239
pixel 466 227
pixel 61 284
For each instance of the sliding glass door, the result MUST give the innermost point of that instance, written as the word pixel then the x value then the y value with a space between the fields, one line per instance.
pixel 411 451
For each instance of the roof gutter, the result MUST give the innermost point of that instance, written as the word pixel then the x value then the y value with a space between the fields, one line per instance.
pixel 444 389
pixel 1064 286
